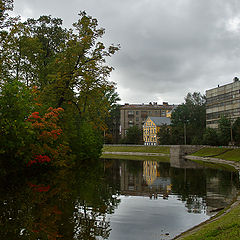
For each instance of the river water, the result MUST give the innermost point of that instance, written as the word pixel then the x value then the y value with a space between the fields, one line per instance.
pixel 113 199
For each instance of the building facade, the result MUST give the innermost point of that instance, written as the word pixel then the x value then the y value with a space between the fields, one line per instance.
pixel 151 127
pixel 223 101
pixel 136 114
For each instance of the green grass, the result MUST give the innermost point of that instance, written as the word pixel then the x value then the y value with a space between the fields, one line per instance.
pixel 207 152
pixel 223 153
pixel 233 155
pixel 145 149
pixel 227 227
pixel 134 157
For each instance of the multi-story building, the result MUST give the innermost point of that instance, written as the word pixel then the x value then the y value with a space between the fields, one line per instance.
pixel 151 127
pixel 223 101
pixel 136 114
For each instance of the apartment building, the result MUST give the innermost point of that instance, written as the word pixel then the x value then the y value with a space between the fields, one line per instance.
pixel 223 101
pixel 136 114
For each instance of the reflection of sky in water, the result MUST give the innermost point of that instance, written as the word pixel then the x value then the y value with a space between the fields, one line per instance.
pixel 140 218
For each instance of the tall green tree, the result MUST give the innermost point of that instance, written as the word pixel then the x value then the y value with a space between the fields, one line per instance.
pixel 192 116
pixel 224 128
pixel 67 66
pixel 134 135
pixel 16 135
pixel 211 137
pixel 236 131
pixel 164 135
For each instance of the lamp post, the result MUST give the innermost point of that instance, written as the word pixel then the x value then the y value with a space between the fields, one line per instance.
pixel 231 131
pixel 185 133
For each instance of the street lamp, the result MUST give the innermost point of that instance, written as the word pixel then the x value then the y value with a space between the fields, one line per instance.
pixel 185 133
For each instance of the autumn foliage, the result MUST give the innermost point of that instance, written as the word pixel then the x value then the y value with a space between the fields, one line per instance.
pixel 48 144
pixel 55 94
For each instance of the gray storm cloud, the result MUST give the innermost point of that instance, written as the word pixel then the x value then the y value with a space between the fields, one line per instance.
pixel 168 47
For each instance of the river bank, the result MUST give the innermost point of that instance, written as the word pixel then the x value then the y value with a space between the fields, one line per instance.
pixel 224 225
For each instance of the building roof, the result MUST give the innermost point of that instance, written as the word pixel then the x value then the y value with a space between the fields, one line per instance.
pixel 161 120
pixel 147 106
pixel 227 86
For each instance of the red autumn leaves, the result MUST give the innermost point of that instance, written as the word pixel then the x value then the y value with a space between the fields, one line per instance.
pixel 47 133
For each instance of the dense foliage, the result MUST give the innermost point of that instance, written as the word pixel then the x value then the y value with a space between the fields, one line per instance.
pixel 189 126
pixel 134 135
pixel 187 122
pixel 55 95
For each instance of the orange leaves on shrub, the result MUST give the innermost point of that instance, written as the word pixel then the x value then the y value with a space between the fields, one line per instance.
pixel 46 145
pixel 47 124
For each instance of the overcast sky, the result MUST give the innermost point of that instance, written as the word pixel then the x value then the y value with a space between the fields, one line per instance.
pixel 168 47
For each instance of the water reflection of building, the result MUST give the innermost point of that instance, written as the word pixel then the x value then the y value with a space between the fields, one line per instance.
pixel 150 171
pixel 144 182
pixel 218 196
pixel 131 182
pixel 201 188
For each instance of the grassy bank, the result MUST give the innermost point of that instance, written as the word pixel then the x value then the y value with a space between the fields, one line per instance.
pixel 227 227
pixel 223 153
pixel 144 149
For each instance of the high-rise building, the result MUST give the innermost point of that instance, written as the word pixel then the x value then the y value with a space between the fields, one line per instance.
pixel 136 114
pixel 223 101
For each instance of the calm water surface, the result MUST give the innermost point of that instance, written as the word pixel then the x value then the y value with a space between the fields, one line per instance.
pixel 113 199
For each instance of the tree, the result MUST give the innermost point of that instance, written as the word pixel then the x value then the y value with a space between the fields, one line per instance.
pixel 113 124
pixel 164 135
pixel 224 128
pixel 134 135
pixel 15 106
pixel 68 67
pixel 192 115
pixel 5 6
pixel 211 137
pixel 236 131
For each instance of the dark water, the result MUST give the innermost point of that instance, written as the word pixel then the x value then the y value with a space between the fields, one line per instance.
pixel 113 199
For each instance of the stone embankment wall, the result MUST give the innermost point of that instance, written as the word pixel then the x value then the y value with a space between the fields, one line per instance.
pixel 178 152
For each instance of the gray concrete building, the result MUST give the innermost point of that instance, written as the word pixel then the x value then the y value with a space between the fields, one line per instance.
pixel 223 101
pixel 136 114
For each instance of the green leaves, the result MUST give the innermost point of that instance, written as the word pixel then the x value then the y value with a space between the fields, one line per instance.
pixel 68 67
pixel 192 113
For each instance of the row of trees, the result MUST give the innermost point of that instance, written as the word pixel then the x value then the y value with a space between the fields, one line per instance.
pixel 55 95
pixel 189 125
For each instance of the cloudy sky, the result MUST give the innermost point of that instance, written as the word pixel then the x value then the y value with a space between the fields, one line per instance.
pixel 168 47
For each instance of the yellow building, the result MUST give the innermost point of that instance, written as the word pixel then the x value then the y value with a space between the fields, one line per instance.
pixel 151 127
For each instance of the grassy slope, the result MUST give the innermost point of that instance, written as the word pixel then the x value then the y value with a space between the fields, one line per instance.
pixel 227 227
pixel 145 149
pixel 223 153
pixel 233 155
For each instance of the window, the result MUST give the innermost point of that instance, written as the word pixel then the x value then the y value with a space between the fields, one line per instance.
pixel 130 112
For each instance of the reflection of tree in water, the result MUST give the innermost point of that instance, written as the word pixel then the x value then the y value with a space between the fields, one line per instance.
pixel 90 223
pixel 195 204
pixel 61 205
pixel 198 187
pixel 134 167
